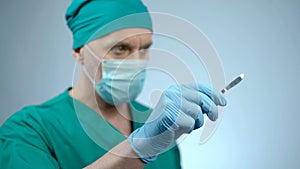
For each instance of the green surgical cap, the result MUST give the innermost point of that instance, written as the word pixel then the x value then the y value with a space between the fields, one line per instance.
pixel 91 19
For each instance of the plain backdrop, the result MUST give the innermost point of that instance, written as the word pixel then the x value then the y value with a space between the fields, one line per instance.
pixel 260 125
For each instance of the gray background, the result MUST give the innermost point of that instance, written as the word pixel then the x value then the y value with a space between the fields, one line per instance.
pixel 260 127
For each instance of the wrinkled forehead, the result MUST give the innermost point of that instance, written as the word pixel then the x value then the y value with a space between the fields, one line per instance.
pixel 133 36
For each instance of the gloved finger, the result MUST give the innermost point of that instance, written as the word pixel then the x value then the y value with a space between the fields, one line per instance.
pixel 208 107
pixel 194 111
pixel 216 96
pixel 191 109
pixel 200 99
pixel 185 125
pixel 199 121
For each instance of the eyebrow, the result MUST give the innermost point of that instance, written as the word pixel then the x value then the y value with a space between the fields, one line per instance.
pixel 128 45
pixel 147 45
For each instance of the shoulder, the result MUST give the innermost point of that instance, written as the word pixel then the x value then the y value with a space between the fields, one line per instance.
pixel 62 101
pixel 36 115
pixel 28 136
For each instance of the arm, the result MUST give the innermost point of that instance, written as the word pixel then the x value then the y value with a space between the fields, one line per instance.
pixel 180 110
pixel 120 157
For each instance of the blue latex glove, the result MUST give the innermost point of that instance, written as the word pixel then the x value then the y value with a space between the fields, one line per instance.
pixel 179 110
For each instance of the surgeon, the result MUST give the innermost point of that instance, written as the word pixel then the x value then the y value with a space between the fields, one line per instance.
pixel 97 123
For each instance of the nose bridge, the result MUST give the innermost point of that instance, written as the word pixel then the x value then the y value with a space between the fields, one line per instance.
pixel 137 42
pixel 135 54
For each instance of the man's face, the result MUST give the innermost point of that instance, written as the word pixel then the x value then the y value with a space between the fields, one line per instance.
pixel 132 43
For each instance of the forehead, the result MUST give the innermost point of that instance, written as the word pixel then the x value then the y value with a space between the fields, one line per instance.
pixel 138 36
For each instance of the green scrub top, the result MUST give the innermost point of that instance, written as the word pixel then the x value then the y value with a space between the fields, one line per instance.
pixel 64 133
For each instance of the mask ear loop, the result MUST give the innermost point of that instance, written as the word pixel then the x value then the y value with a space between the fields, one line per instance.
pixel 91 52
pixel 84 69
pixel 88 75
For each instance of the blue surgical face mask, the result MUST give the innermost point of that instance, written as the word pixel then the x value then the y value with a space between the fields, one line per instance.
pixel 122 80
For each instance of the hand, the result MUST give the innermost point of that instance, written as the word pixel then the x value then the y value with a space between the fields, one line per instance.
pixel 180 110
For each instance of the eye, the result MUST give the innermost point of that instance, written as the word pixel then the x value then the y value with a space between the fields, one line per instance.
pixel 120 50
